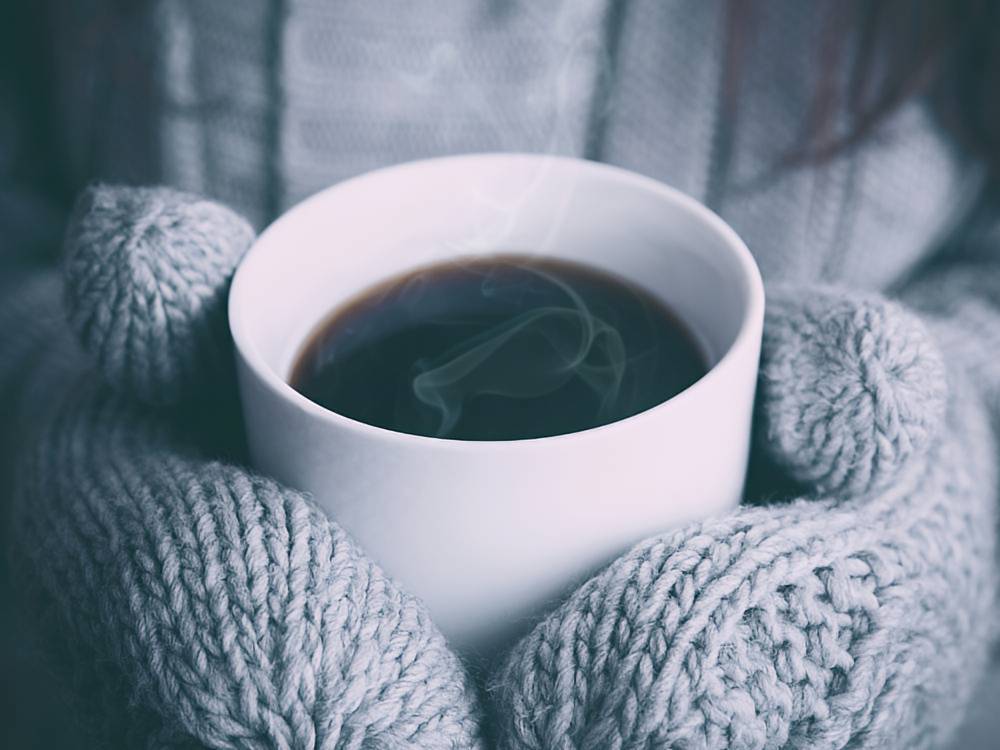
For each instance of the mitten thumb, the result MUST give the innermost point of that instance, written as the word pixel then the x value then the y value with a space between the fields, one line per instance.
pixel 852 388
pixel 147 275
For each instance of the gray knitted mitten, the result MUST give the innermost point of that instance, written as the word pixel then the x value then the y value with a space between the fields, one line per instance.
pixel 192 602
pixel 857 615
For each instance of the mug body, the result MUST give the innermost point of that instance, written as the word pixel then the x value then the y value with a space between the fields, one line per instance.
pixel 490 534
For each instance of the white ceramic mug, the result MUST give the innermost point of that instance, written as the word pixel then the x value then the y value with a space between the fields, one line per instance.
pixel 492 533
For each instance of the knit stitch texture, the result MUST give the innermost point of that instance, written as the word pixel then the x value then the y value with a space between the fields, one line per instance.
pixel 220 608
pixel 157 326
pixel 818 624
pixel 224 609
pixel 193 604
pixel 228 612
pixel 851 389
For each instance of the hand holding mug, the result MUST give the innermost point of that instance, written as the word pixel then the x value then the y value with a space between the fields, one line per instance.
pixel 272 542
pixel 489 533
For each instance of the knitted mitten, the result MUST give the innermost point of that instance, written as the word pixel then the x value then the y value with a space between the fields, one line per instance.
pixel 225 611
pixel 857 614
pixel 191 602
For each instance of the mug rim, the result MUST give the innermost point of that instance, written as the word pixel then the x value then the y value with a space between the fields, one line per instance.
pixel 753 309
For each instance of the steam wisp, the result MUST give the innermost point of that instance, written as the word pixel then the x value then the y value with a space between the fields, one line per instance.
pixel 529 355
pixel 498 347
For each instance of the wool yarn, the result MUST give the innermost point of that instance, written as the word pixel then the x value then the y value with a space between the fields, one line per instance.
pixel 189 601
pixel 458 77
pixel 851 387
pixel 146 284
pixel 226 611
pixel 195 603
pixel 822 623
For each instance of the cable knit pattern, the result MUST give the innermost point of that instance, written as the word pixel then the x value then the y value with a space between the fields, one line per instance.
pixel 815 624
pixel 221 607
pixel 147 273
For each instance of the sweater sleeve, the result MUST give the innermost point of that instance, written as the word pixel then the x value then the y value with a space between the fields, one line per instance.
pixel 959 296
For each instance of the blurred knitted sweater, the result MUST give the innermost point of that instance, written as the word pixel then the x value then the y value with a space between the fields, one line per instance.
pixel 260 103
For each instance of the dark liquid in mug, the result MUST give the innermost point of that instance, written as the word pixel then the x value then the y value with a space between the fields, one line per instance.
pixel 504 347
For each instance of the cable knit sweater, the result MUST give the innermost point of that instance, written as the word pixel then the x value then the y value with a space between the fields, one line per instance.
pixel 194 604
